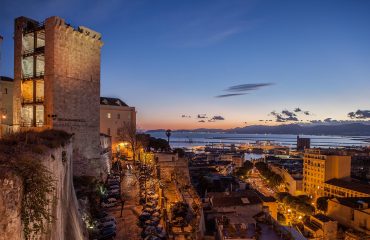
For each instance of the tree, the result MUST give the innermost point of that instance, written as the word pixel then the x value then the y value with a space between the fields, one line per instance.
pixel 158 144
pixel 322 203
pixel 135 141
pixel 168 134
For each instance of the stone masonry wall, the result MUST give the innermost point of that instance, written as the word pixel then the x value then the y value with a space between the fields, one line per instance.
pixel 72 90
pixel 10 205
pixel 67 223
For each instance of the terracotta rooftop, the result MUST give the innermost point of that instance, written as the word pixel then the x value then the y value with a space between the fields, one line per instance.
pixel 112 101
pixel 350 184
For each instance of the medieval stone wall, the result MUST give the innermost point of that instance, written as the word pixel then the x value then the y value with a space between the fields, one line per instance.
pixel 67 222
pixel 72 89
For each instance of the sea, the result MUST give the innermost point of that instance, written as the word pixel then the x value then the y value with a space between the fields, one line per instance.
pixel 191 139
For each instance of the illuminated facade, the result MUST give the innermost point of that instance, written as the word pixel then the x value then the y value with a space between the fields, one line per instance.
pixel 114 114
pixel 353 213
pixel 6 105
pixel 320 166
pixel 57 84
pixel 346 188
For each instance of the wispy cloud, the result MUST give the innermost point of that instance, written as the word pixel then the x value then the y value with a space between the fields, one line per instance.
pixel 205 24
pixel 229 95
pixel 242 89
pixel 247 87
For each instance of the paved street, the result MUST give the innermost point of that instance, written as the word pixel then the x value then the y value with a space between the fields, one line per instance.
pixel 127 224
pixel 258 183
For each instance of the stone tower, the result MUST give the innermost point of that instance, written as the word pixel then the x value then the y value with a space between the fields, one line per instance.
pixel 57 84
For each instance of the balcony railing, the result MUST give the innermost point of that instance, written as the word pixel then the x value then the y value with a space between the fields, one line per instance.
pixel 33 26
pixel 32 101
pixel 31 75
pixel 30 124
pixel 32 51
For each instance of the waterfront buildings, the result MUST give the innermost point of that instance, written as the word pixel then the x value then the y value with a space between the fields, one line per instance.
pixel 57 84
pixel 114 116
pixel 6 105
pixel 303 143
pixel 320 166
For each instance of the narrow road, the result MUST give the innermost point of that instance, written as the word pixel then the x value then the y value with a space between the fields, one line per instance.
pixel 127 224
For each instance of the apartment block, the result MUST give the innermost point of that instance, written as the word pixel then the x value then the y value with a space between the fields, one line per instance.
pixel 346 187
pixel 57 84
pixel 320 166
pixel 352 212
pixel 115 115
pixel 320 226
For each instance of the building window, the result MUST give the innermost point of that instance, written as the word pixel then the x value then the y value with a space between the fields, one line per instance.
pixel 109 115
pixel 5 91
pixel 118 116
pixel 108 131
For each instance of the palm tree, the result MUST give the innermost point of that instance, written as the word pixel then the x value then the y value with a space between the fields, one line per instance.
pixel 168 134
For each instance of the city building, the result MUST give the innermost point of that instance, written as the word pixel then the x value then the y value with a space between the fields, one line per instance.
pixel 346 187
pixel 320 166
pixel 293 180
pixel 116 115
pixel 303 143
pixel 320 226
pixel 353 213
pixel 6 105
pixel 234 227
pixel 57 84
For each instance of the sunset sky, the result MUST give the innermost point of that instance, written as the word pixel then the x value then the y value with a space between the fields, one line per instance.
pixel 172 58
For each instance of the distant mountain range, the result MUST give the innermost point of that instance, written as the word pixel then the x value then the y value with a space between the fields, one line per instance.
pixel 345 129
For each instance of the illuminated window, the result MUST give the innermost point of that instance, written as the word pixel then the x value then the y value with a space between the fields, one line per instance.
pixel 109 116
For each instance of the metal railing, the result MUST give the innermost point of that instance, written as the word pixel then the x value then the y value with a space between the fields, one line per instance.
pixel 33 26
pixel 30 124
pixel 32 101
pixel 39 74
pixel 32 51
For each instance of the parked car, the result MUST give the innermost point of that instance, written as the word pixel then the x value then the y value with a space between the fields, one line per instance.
pixel 107 233
pixel 111 187
pixel 114 195
pixel 113 191
pixel 101 215
pixel 110 202
pixel 112 182
pixel 101 226
pixel 107 219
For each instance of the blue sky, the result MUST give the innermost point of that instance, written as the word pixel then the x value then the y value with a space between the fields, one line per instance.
pixel 171 58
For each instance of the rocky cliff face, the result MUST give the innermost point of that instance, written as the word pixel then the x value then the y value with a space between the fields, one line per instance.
pixel 67 222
